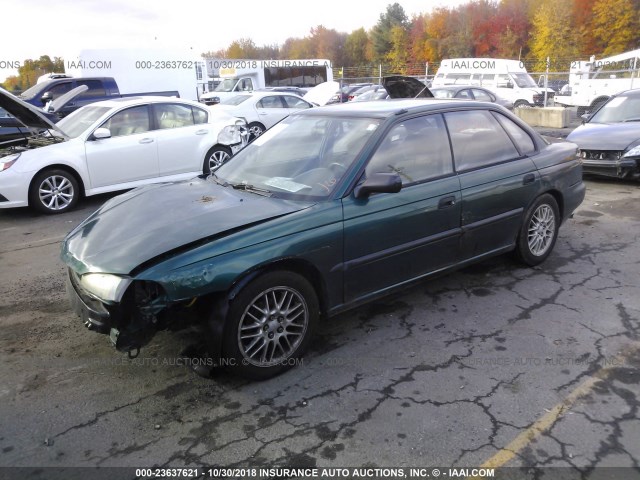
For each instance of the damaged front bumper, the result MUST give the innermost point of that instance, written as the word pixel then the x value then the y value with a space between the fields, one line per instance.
pixel 610 163
pixel 622 168
pixel 130 323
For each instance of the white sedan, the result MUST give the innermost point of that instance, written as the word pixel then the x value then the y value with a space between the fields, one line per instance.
pixel 262 110
pixel 111 145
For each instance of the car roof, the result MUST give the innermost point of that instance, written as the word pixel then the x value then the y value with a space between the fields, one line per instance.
pixel 392 107
pixel 457 87
pixel 124 101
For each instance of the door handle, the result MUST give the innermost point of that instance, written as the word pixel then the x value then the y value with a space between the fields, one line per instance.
pixel 263 113
pixel 201 132
pixel 146 140
pixel 446 202
pixel 528 178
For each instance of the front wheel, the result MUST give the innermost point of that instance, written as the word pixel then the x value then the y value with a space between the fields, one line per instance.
pixel 269 325
pixel 539 231
pixel 215 157
pixel 54 191
pixel 255 130
pixel 521 104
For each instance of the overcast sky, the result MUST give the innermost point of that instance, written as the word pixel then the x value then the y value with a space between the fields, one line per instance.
pixel 55 28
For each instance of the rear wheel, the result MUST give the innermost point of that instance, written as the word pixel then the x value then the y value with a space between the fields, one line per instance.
pixel 539 231
pixel 269 325
pixel 215 157
pixel 54 191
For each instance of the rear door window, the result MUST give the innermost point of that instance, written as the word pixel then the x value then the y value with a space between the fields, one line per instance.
pixel 478 139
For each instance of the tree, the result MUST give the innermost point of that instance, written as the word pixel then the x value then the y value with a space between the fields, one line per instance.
pixel 512 26
pixel 297 48
pixel 327 43
pixel 615 25
pixel 553 34
pixel 381 32
pixel 417 39
pixel 399 53
pixel 588 44
pixel 243 48
pixel 355 48
pixel 30 70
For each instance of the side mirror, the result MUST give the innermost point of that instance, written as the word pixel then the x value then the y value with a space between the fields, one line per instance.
pixel 585 117
pixel 101 133
pixel 379 183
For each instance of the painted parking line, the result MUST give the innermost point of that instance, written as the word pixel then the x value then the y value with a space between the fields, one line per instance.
pixel 543 424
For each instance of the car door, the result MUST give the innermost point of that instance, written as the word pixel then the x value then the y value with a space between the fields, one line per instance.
pixel 498 180
pixel 271 109
pixel 180 136
pixel 390 238
pixel 130 154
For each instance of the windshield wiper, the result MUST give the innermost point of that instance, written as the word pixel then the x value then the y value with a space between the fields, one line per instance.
pixel 632 120
pixel 216 179
pixel 250 188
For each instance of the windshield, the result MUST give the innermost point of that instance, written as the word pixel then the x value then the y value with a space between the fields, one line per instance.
pixel 523 80
pixel 301 158
pixel 237 100
pixel 226 85
pixel 623 108
pixel 76 123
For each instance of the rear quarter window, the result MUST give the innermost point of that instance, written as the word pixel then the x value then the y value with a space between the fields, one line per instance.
pixel 521 138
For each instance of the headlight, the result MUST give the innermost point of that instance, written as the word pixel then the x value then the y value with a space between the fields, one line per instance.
pixel 104 286
pixel 633 152
pixel 6 162
pixel 229 135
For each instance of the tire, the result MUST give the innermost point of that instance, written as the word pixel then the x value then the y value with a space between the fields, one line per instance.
pixel 215 157
pixel 521 104
pixel 269 325
pixel 255 130
pixel 54 191
pixel 539 231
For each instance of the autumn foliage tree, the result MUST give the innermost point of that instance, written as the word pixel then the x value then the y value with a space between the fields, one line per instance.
pixel 615 25
pixel 530 30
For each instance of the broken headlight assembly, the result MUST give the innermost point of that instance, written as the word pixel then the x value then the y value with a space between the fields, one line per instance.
pixel 105 287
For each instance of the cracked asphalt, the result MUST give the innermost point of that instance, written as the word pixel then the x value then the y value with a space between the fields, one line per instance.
pixel 493 365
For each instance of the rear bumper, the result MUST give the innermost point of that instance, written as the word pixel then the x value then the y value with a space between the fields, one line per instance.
pixel 573 198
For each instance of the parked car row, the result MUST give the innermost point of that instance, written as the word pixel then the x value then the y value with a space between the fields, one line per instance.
pixel 256 243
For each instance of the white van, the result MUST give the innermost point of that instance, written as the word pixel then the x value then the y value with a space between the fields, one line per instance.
pixel 507 78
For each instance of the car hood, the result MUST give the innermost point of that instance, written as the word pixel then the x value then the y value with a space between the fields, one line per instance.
pixel 162 219
pixel 605 136
pixel 399 86
pixel 26 113
pixel 322 93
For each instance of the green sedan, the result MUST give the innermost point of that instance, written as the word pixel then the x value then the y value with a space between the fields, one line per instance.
pixel 330 208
